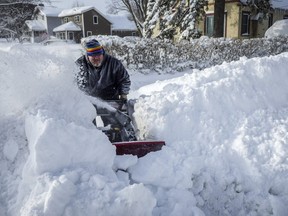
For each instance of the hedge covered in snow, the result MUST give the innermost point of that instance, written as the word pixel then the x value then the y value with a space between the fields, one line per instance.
pixel 146 54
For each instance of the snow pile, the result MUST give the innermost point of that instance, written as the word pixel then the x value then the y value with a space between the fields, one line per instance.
pixel 279 28
pixel 225 129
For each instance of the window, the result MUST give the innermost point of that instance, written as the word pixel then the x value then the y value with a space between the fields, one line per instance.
pixel 66 20
pixel 77 18
pixel 89 33
pixel 95 19
pixel 245 23
pixel 60 35
pixel 209 26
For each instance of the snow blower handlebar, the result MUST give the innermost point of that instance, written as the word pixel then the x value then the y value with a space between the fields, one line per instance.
pixel 118 115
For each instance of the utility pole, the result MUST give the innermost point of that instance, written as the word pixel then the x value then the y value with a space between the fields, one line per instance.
pixel 219 11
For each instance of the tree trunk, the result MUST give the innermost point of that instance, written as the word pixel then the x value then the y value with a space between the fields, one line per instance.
pixel 219 11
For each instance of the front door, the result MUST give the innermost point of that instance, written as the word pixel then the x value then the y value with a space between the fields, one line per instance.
pixel 70 36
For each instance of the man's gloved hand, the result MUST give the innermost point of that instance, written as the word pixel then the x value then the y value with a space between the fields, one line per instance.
pixel 123 97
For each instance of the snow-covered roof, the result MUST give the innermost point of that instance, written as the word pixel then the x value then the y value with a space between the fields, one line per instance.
pixel 77 10
pixel 51 11
pixel 70 26
pixel 121 22
pixel 35 25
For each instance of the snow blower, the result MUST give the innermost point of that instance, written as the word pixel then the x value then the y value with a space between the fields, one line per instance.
pixel 117 124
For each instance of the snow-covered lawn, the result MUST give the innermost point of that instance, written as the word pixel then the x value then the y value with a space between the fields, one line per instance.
pixel 225 127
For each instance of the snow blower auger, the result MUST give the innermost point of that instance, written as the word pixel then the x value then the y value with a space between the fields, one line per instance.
pixel 118 126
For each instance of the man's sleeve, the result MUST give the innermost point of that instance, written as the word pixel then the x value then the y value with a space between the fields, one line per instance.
pixel 124 80
pixel 81 75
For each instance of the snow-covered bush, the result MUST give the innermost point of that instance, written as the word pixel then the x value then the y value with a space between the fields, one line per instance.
pixel 163 55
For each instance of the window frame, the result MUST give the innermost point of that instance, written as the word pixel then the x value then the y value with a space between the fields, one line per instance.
pixel 60 35
pixel 95 16
pixel 245 27
pixel 77 18
pixel 210 32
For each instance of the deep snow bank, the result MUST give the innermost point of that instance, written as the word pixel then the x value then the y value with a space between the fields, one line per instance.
pixel 53 159
pixel 225 128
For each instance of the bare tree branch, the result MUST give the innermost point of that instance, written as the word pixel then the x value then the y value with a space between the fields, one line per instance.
pixel 13 16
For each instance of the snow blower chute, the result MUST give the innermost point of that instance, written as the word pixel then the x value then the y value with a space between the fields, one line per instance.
pixel 116 116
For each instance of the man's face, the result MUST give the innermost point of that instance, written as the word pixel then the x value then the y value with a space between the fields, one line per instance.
pixel 96 60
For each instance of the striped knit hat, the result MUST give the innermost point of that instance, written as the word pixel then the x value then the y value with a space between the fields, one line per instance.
pixel 93 47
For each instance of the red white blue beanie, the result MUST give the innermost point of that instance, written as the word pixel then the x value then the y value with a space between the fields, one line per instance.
pixel 93 47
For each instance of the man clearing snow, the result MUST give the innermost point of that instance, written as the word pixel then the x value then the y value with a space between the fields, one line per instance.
pixel 104 77
pixel 101 75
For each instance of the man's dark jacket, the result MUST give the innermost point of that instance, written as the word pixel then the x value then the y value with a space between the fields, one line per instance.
pixel 108 81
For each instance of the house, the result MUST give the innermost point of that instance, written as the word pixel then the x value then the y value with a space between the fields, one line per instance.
pixel 68 31
pixel 35 31
pixel 87 18
pixel 122 26
pixel 41 26
pixel 73 24
pixel 49 15
pixel 240 21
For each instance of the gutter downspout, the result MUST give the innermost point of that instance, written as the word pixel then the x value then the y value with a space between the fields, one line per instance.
pixel 83 27
pixel 32 38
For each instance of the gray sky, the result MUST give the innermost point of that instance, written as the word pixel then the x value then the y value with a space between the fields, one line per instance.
pixel 280 3
pixel 98 4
